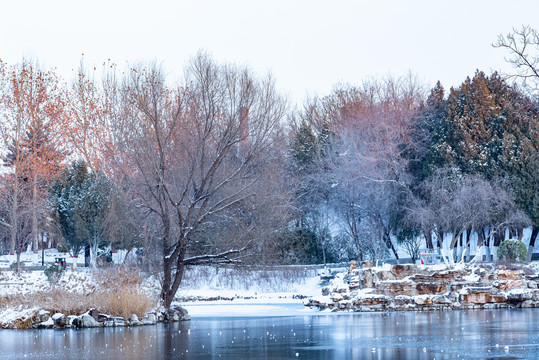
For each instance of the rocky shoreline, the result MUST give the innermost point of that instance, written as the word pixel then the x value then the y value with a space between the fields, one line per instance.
pixel 420 288
pixel 42 319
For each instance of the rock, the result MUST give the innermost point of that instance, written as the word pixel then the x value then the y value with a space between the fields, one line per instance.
pixel 422 300
pixel 510 275
pixel 383 275
pixel 343 305
pixel 446 276
pixel 476 288
pixel 394 288
pixel 403 300
pixel 519 297
pixel 488 277
pixel 481 298
pixel 504 285
pixel 104 317
pixel 119 321
pixel 48 324
pixel 354 282
pixel 367 264
pixel 453 297
pixel 60 320
pixel 431 288
pixel 340 289
pixel 70 319
pixel 149 319
pixel 93 313
pixel 87 321
pixel 184 314
pixel 366 278
pixel 402 271
pixel 176 313
pixel 441 299
pixel 370 300
pixel 42 316
pixel 325 291
pixel 457 286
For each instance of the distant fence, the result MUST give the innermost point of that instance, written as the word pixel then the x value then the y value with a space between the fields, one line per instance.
pixel 283 267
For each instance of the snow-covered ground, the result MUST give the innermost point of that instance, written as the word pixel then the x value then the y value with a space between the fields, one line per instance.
pixel 205 291
pixel 278 285
pixel 29 258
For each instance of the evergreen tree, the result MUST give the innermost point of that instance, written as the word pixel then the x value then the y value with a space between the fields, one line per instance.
pixel 304 150
pixel 65 195
pixel 484 128
pixel 82 200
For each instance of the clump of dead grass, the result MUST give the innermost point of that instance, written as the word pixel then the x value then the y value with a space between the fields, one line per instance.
pixel 114 291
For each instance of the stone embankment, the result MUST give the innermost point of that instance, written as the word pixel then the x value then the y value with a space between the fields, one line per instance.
pixel 43 319
pixel 409 287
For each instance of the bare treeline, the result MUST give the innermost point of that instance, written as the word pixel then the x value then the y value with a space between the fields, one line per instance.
pixel 218 168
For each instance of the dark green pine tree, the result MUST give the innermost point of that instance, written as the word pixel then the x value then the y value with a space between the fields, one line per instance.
pixel 487 128
pixel 427 130
pixel 304 150
pixel 65 195
pixel 82 200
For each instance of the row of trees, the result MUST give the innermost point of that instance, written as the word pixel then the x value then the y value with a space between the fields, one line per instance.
pixel 388 163
pixel 217 169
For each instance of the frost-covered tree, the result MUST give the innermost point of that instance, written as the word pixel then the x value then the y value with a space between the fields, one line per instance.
pixel 455 203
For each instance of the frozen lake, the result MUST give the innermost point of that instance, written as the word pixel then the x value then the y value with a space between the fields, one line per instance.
pixel 288 331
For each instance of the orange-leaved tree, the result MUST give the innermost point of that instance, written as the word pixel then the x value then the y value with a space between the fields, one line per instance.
pixel 32 103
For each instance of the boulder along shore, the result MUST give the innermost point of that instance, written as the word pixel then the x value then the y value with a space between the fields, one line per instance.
pixel 418 288
pixel 42 319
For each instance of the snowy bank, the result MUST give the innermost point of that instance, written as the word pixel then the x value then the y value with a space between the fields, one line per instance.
pixel 123 296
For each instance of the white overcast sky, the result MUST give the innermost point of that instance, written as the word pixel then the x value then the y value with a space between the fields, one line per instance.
pixel 309 46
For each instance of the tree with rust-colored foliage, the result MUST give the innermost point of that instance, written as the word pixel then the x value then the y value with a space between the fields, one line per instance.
pixel 32 103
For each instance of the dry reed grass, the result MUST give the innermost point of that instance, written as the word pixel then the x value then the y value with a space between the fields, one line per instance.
pixel 116 292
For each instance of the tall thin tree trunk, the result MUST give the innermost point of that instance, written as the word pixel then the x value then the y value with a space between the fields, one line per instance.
pixel 14 221
pixel 93 256
pixel 34 215
pixel 535 232
pixel 18 266
pixel 428 238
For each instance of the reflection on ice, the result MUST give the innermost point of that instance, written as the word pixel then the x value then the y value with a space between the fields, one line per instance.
pixel 411 335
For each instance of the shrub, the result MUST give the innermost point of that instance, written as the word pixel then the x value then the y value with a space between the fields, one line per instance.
pixel 62 247
pixel 54 273
pixel 512 250
pixel 13 265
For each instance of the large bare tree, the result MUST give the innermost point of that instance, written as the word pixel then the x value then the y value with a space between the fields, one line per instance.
pixel 190 154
